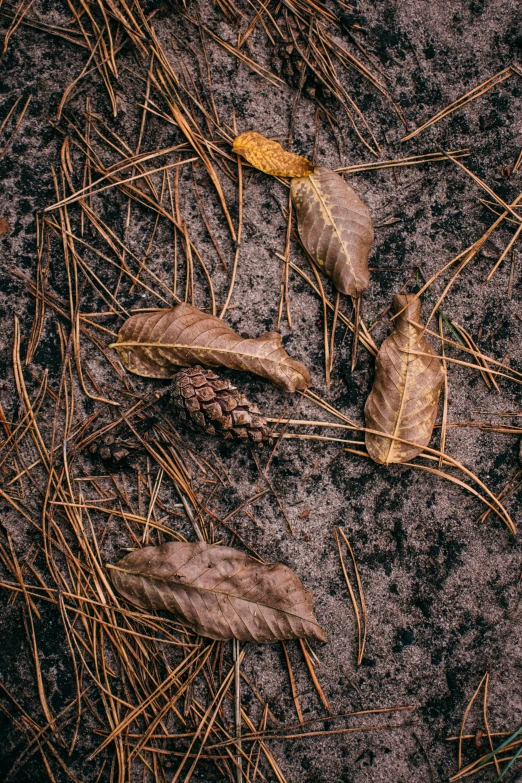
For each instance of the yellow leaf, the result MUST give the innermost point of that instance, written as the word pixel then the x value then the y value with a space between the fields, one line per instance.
pixel 269 156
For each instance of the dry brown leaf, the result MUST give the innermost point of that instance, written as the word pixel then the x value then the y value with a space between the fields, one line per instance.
pixel 157 343
pixel 335 227
pixel 219 592
pixel 405 393
pixel 269 156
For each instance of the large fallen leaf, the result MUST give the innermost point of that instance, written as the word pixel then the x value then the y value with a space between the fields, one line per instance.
pixel 335 227
pixel 405 393
pixel 157 343
pixel 219 592
pixel 269 156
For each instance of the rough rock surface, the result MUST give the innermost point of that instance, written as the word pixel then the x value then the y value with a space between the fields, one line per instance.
pixel 442 590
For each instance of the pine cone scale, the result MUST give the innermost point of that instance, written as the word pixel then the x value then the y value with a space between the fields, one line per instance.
pixel 214 405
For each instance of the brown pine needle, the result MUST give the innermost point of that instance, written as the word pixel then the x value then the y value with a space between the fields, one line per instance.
pixel 504 253
pixel 359 617
pixel 364 336
pixel 485 187
pixel 478 367
pixel 413 160
pixel 293 687
pixel 486 722
pixel 464 257
pixel 10 139
pixel 483 358
pixel 476 92
pixel 311 671
pixel 444 425
pixel 465 717
pixel 326 341
pixel 488 379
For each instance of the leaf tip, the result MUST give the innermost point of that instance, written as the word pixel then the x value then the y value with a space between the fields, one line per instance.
pixel 320 635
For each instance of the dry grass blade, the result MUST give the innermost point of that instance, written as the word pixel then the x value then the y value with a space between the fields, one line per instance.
pixel 195 655
pixel 311 670
pixel 464 257
pixel 493 504
pixel 327 359
pixel 490 758
pixel 164 82
pixel 483 360
pixel 213 708
pixel 90 191
pixel 465 717
pixel 514 483
pixel 29 21
pixel 479 367
pixel 428 453
pixel 259 69
pixel 239 233
pixel 285 287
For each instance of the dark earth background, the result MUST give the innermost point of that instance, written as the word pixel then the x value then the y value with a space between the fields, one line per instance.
pixel 442 591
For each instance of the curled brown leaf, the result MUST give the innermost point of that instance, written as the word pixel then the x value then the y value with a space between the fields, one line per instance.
pixel 269 156
pixel 405 393
pixel 219 592
pixel 335 228
pixel 156 344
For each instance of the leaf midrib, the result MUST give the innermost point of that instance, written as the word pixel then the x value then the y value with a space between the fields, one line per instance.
pixel 396 425
pixel 346 255
pixel 154 578
pixel 137 344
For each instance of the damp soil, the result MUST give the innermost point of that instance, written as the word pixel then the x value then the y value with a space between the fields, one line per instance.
pixel 442 589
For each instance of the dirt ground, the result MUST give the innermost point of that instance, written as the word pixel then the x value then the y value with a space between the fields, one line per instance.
pixel 442 589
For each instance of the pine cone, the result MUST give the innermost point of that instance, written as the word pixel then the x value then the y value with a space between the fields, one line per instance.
pixel 215 406
pixel 112 450
pixel 289 64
